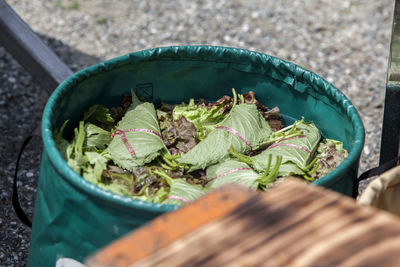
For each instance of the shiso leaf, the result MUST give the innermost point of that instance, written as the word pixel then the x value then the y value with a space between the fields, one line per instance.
pixel 244 119
pixel 155 175
pixel 294 159
pixel 147 146
pixel 231 171
pixel 181 192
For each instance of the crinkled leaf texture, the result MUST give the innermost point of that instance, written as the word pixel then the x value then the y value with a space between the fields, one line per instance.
pixel 61 143
pixel 93 171
pixel 98 113
pixel 75 156
pixel 179 135
pixel 147 146
pixel 231 171
pixel 330 154
pixel 204 116
pixel 294 159
pixel 244 119
pixel 96 137
pixel 182 192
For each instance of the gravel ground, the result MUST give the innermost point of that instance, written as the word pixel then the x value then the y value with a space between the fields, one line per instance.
pixel 346 42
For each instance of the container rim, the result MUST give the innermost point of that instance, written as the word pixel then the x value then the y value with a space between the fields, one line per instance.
pixel 152 54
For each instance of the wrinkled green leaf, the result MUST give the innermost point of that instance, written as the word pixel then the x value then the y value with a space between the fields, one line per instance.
pixel 98 163
pixel 96 137
pixel 181 192
pixel 231 171
pixel 246 120
pixel 179 135
pixel 75 156
pixel 273 116
pixel 147 146
pixel 98 113
pixel 61 143
pixel 294 159
pixel 330 154
pixel 204 117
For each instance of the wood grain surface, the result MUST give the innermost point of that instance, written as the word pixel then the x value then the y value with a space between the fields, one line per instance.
pixel 291 225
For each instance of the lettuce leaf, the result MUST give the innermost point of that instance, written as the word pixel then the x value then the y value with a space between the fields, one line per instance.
pixel 98 113
pixel 96 137
pixel 94 170
pixel 179 135
pixel 204 117
pixel 231 171
pixel 244 119
pixel 147 146
pixel 61 143
pixel 75 157
pixel 330 153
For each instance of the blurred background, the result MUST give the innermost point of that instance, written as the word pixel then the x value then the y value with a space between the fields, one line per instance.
pixel 345 42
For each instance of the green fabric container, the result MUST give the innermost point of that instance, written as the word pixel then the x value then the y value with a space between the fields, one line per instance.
pixel 73 218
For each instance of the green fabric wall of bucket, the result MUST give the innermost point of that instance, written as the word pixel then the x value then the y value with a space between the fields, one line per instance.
pixel 73 218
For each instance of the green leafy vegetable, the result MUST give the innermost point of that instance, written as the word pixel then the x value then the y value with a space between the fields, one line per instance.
pixel 296 152
pixel 176 154
pixel 96 137
pixel 330 153
pixel 75 156
pixel 146 145
pixel 61 143
pixel 231 171
pixel 94 170
pixel 181 192
pixel 179 135
pixel 243 119
pixel 273 116
pixel 204 117
pixel 98 113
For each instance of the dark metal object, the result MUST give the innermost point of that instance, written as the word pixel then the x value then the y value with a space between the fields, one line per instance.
pixel 391 117
pixel 46 69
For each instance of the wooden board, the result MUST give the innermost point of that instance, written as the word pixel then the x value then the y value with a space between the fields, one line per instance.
pixel 28 49
pixel 292 225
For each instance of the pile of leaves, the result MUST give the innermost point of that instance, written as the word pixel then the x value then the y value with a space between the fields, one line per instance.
pixel 176 153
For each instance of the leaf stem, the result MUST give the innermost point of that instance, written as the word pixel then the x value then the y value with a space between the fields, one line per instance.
pixel 240 157
pixel 308 178
pixel 280 137
pixel 241 98
pixel 294 125
pixel 234 98
pixel 272 175
pixel 268 165
pixel 307 168
pixel 314 169
pixel 165 166
pixel 162 174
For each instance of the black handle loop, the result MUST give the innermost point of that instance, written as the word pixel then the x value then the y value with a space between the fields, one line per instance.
pixel 15 199
pixel 374 172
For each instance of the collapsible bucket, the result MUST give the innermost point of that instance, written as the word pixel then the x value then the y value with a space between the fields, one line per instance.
pixel 73 217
